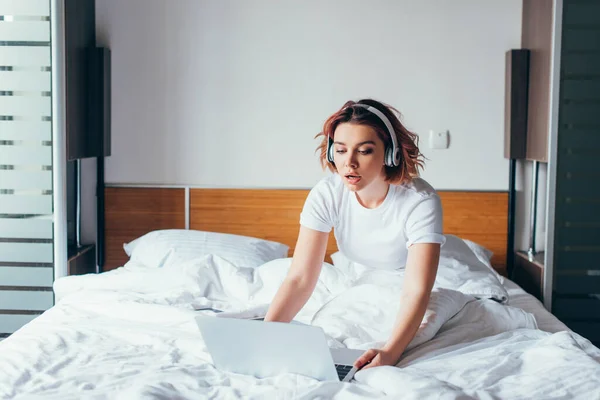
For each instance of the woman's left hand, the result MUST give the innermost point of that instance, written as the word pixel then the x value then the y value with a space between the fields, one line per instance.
pixel 376 358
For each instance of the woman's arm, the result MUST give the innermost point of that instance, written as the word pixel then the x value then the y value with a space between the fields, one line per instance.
pixel 421 269
pixel 302 277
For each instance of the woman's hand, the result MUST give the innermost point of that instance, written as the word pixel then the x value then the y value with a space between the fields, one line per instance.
pixel 376 358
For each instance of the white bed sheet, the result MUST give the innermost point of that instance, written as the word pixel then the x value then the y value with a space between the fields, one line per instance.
pixel 130 334
pixel 520 298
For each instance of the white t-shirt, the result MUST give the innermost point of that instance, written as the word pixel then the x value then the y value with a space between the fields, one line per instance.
pixel 379 237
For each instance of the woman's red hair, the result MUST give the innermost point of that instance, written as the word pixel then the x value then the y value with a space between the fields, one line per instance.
pixel 411 158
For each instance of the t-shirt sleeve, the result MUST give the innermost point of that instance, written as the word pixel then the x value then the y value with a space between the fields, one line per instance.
pixel 424 223
pixel 317 212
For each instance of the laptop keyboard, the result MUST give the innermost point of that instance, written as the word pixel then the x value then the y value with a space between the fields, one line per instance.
pixel 342 370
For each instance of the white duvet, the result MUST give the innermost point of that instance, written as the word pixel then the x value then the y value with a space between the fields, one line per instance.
pixel 130 334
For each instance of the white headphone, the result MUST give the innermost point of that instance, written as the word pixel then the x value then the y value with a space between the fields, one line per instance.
pixel 392 155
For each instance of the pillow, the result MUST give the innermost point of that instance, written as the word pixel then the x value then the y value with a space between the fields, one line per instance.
pixel 463 270
pixel 170 247
pixel 464 266
pixel 485 256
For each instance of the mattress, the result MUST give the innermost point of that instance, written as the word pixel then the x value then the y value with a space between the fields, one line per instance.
pixel 130 334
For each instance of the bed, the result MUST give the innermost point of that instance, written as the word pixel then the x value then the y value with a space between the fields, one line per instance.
pixel 129 333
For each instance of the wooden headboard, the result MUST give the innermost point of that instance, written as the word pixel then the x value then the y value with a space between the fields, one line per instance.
pixel 273 214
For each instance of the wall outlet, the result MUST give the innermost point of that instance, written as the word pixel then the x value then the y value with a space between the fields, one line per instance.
pixel 439 140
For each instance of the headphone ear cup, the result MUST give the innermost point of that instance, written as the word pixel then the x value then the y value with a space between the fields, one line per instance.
pixel 389 157
pixel 330 150
pixel 396 157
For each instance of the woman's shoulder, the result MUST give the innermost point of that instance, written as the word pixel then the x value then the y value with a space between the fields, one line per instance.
pixel 417 188
pixel 417 196
pixel 327 192
pixel 331 184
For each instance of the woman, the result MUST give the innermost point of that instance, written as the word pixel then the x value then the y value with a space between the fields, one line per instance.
pixel 384 216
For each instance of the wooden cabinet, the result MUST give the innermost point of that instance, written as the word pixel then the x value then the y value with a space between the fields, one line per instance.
pixel 528 273
pixel 536 36
pixel 81 260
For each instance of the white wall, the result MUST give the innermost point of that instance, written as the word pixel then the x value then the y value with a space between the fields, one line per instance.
pixel 230 93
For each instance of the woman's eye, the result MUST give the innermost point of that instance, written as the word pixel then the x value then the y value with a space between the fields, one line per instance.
pixel 364 152
pixel 340 151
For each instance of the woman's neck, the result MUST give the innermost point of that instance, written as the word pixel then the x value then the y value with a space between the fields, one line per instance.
pixel 373 195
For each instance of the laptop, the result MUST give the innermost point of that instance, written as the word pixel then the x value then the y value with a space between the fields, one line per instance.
pixel 265 349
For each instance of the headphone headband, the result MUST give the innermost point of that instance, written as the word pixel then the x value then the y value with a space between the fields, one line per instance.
pixel 387 124
pixel 392 156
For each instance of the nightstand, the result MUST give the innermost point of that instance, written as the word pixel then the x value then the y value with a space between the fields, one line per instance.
pixel 528 274
pixel 81 260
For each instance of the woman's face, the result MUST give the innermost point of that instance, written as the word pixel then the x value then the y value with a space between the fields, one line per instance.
pixel 358 155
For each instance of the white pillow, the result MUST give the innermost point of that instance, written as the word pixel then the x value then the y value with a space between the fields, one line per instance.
pixel 464 266
pixel 170 247
pixel 485 256
pixel 463 270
